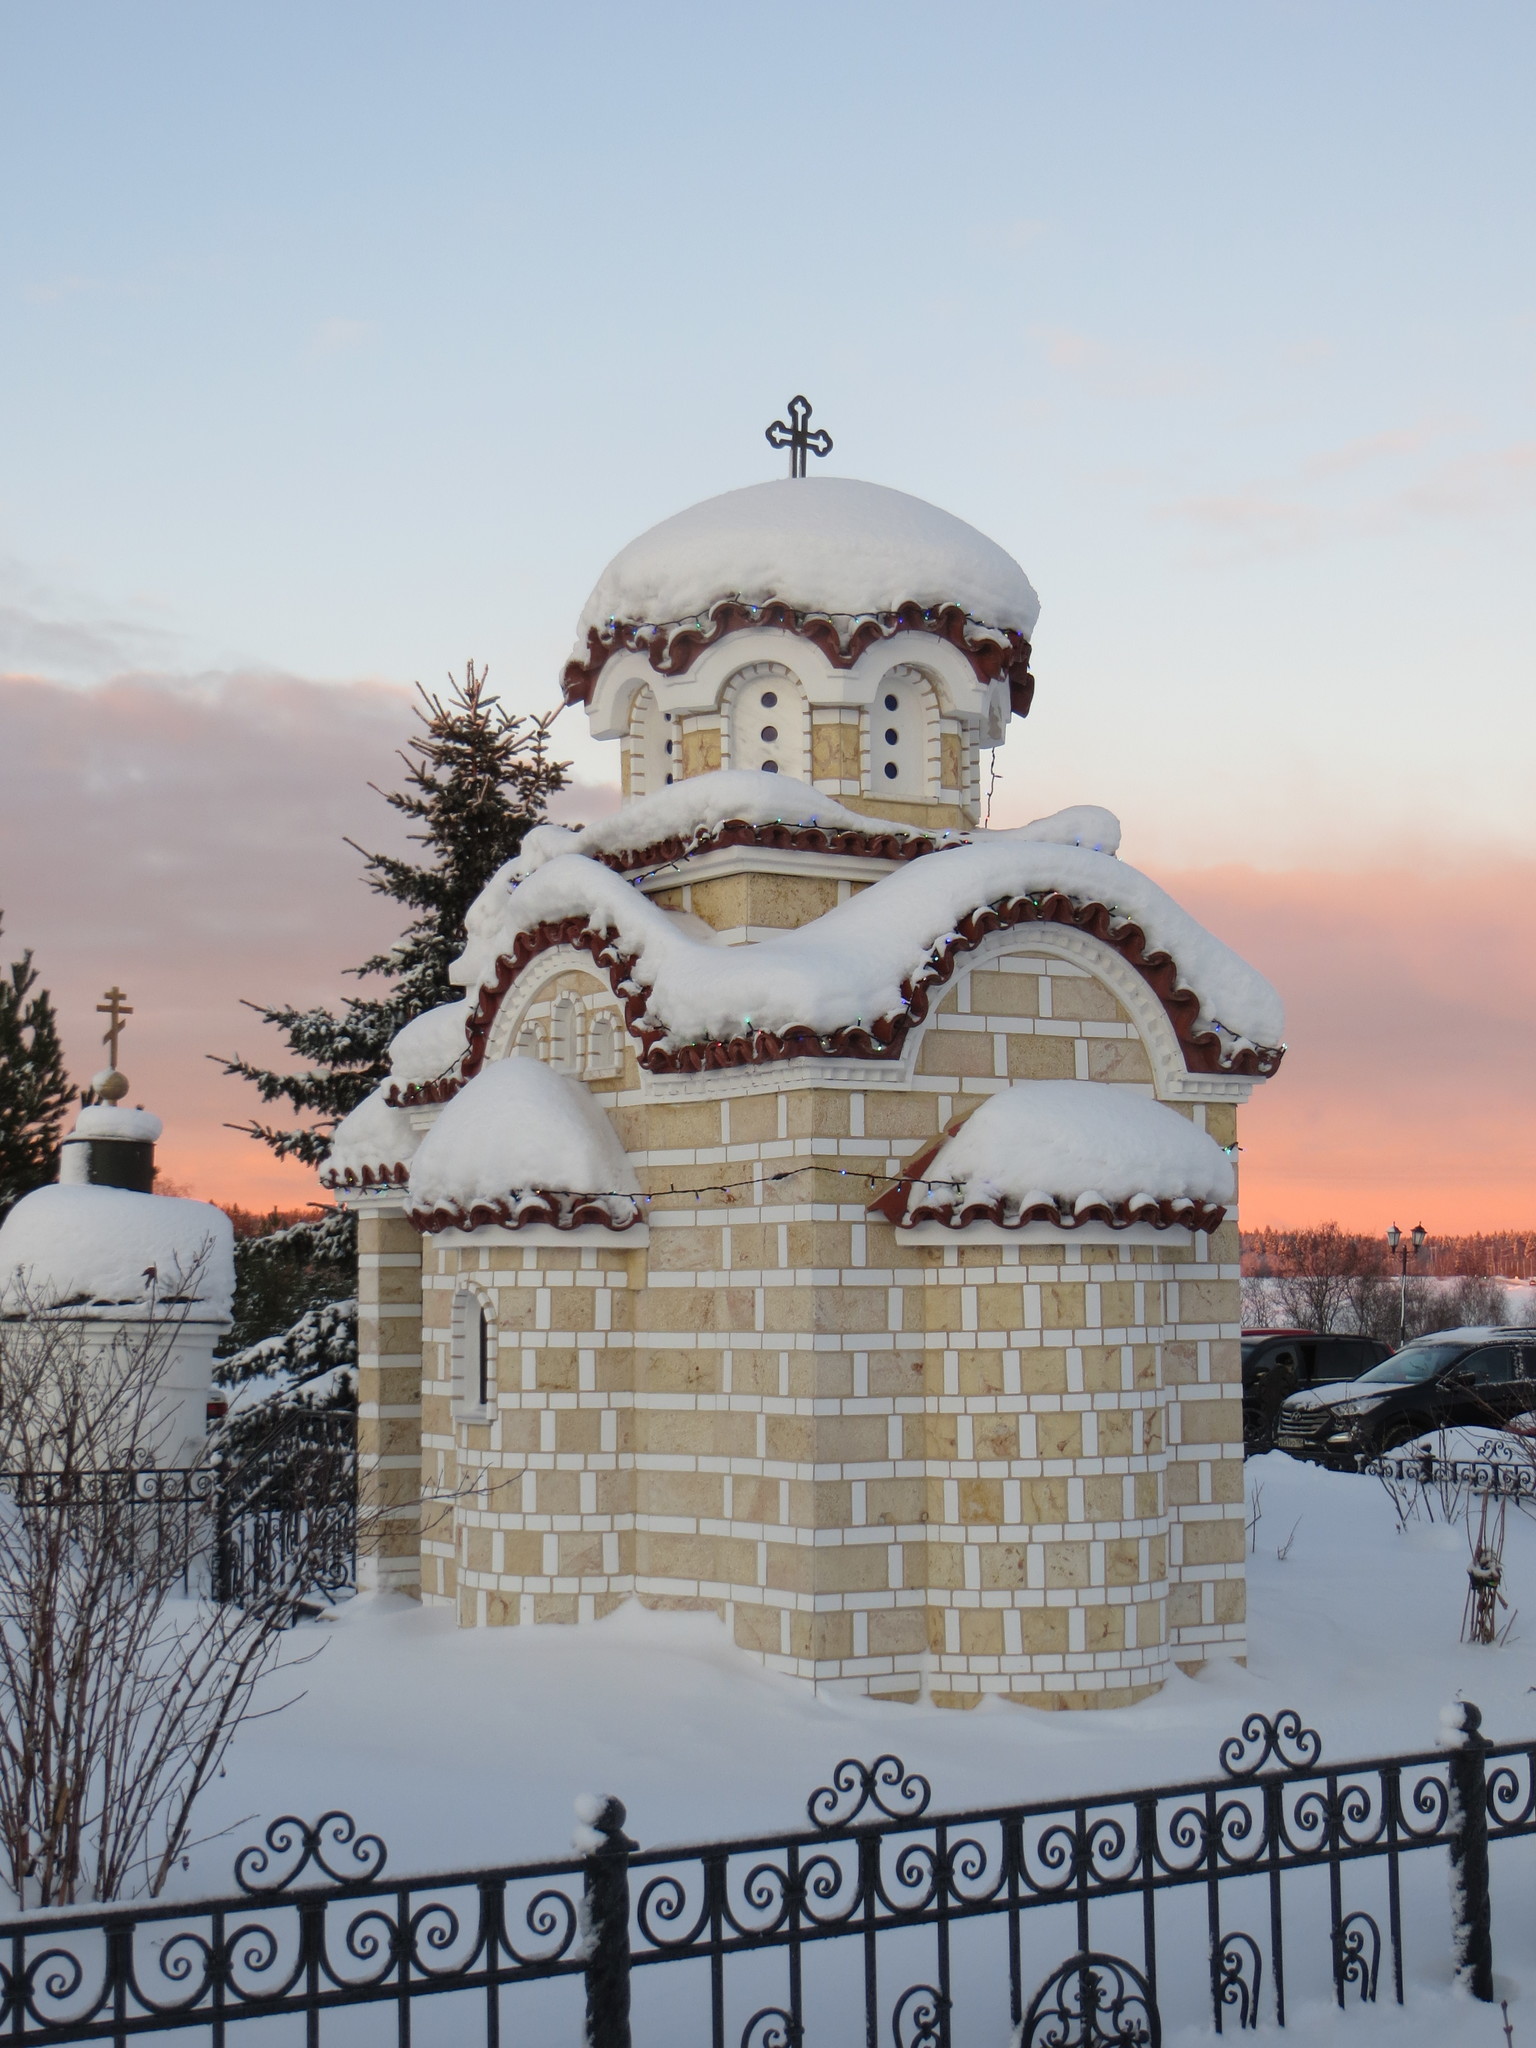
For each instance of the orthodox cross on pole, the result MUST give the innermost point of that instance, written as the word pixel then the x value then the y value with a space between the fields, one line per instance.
pixel 116 1008
pixel 797 436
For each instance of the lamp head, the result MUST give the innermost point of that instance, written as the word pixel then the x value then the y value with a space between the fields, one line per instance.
pixel 1394 1237
pixel 1419 1235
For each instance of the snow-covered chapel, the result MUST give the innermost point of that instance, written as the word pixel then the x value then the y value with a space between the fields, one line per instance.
pixel 820 1210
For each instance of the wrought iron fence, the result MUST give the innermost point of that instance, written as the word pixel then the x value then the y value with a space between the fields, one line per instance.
pixel 1076 1924
pixel 1505 1478
pixel 288 1492
pixel 277 1513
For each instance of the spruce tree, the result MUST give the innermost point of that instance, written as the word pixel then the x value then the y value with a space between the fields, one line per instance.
pixel 477 778
pixel 34 1089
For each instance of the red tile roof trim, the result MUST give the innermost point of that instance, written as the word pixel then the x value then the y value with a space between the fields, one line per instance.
pixel 876 845
pixel 564 1212
pixel 993 651
pixel 884 1038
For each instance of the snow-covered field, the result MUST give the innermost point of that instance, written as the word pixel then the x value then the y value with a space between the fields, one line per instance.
pixel 470 1746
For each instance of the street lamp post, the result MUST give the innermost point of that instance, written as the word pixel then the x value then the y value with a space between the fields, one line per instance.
pixel 1413 1242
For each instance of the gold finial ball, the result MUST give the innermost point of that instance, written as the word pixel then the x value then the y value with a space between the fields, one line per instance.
pixel 109 1085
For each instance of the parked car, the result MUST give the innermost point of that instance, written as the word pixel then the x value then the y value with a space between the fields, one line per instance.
pixel 1277 1363
pixel 1451 1379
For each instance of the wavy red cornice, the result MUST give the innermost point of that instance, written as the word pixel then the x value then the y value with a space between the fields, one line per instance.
pixel 873 844
pixel 993 651
pixel 881 1040
pixel 538 1205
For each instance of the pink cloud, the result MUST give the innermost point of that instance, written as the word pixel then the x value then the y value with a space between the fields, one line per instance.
pixel 187 841
pixel 1408 1083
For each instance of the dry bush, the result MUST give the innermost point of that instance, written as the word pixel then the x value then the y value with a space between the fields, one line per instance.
pixel 120 1690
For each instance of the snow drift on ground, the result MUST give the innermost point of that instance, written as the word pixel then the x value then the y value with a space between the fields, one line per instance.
pixel 828 544
pixel 1065 1139
pixel 847 966
pixel 462 1746
pixel 96 1244
pixel 519 1125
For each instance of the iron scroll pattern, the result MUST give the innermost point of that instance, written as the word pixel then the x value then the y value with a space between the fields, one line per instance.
pixel 1092 1899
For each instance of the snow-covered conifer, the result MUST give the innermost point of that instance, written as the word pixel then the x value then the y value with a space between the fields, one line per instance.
pixel 477 779
pixel 34 1088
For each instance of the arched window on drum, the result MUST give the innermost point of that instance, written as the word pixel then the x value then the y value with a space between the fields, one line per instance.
pixel 769 723
pixel 902 727
pixel 565 1035
pixel 656 755
pixel 605 1048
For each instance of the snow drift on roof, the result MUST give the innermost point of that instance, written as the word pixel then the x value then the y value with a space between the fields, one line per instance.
pixel 819 544
pixel 848 966
pixel 520 1130
pixel 113 1120
pixel 695 806
pixel 95 1244
pixel 371 1146
pixel 1064 1140
pixel 431 1044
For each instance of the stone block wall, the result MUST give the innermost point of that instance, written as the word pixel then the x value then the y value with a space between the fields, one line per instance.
pixel 949 1462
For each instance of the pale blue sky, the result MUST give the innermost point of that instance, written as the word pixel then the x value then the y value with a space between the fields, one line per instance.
pixel 351 339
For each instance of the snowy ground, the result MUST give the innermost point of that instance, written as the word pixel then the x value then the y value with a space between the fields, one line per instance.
pixel 470 1746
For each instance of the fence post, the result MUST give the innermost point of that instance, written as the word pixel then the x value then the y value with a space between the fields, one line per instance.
pixel 605 1919
pixel 1471 1925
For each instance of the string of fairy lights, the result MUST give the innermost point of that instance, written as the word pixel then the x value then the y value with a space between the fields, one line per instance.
pixel 927 1182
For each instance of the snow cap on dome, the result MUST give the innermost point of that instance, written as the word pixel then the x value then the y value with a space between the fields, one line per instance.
pixel 516 1134
pixel 97 1245
pixel 372 1146
pixel 1066 1146
pixel 113 1120
pixel 818 544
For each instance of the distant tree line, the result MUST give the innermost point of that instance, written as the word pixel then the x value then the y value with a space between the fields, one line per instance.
pixel 1328 1279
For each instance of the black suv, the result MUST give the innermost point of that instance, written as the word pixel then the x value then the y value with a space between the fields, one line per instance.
pixel 1279 1362
pixel 1452 1379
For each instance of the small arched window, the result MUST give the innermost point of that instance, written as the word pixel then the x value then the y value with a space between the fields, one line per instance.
pixel 604 1047
pixel 565 1036
pixel 769 722
pixel 474 1355
pixel 656 755
pixel 900 724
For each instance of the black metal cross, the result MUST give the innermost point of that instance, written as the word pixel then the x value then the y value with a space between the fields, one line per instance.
pixel 797 436
pixel 117 1008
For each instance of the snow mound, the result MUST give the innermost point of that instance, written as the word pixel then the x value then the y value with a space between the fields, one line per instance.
pixel 96 1245
pixel 518 1131
pixel 110 1120
pixel 431 1045
pixel 1071 1139
pixel 373 1143
pixel 847 966
pixel 1087 825
pixel 818 544
pixel 695 806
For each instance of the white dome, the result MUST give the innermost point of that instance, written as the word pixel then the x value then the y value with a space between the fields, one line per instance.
pixel 819 544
